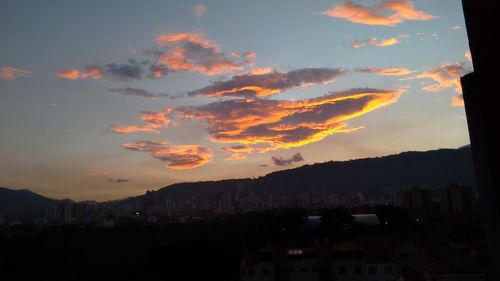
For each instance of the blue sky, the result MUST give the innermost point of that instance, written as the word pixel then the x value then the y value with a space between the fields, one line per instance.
pixel 59 136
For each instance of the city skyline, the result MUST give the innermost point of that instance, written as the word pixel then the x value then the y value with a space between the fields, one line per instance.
pixel 101 105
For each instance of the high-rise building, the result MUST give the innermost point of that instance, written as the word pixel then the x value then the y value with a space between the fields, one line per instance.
pixel 456 198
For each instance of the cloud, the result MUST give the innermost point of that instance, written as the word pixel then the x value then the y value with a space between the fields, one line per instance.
pixel 178 157
pixel 468 55
pixel 266 124
pixel 192 52
pixel 130 71
pixel 258 71
pixel 90 71
pixel 387 13
pixel 118 180
pixel 457 101
pixel 126 72
pixel 251 85
pixel 154 121
pixel 455 27
pixel 387 71
pixel 199 10
pixel 356 44
pixel 129 91
pixel 238 151
pixel 279 161
pixel 157 70
pixel 99 174
pixel 446 75
pixel 11 73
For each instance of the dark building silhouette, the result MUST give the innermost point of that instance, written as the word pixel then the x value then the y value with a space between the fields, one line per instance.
pixel 481 99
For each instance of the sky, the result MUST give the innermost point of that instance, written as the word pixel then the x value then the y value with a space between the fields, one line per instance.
pixel 101 100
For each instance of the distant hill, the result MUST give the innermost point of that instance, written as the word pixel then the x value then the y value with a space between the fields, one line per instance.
pixel 15 200
pixel 429 168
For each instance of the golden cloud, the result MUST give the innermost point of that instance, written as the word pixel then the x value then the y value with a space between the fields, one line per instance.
pixel 264 125
pixel 179 157
pixel 377 42
pixel 387 13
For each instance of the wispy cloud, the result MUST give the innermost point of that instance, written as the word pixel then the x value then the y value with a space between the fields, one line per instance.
pixel 99 174
pixel 374 42
pixel 118 180
pixel 251 85
pixel 178 157
pixel 129 91
pixel 154 121
pixel 12 73
pixel 130 71
pixel 238 151
pixel 192 52
pixel 199 10
pixel 446 75
pixel 280 161
pixel 387 71
pixel 455 27
pixel 387 13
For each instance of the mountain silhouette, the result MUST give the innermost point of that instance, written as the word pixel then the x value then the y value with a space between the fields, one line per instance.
pixel 23 199
pixel 407 169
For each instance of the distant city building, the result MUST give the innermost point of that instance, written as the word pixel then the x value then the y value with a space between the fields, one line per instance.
pixel 456 198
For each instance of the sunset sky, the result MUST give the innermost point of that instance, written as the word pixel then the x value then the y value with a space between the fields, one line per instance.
pixel 107 99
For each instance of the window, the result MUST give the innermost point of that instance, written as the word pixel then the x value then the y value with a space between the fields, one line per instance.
pixel 251 272
pixel 388 269
pixel 358 270
pixel 303 269
pixel 266 272
pixel 342 270
pixel 372 270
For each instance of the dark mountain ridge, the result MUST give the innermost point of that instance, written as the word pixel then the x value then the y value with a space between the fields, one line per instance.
pixel 407 169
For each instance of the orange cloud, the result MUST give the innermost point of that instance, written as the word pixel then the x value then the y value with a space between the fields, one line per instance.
pixel 376 42
pixel 250 85
pixel 154 121
pixel 238 151
pixel 179 157
pixel 265 125
pixel 388 71
pixel 199 10
pixel 457 101
pixel 258 71
pixel 74 74
pixel 468 55
pixel 445 76
pixel 11 73
pixel 387 13
pixel 192 52
pixel 99 174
